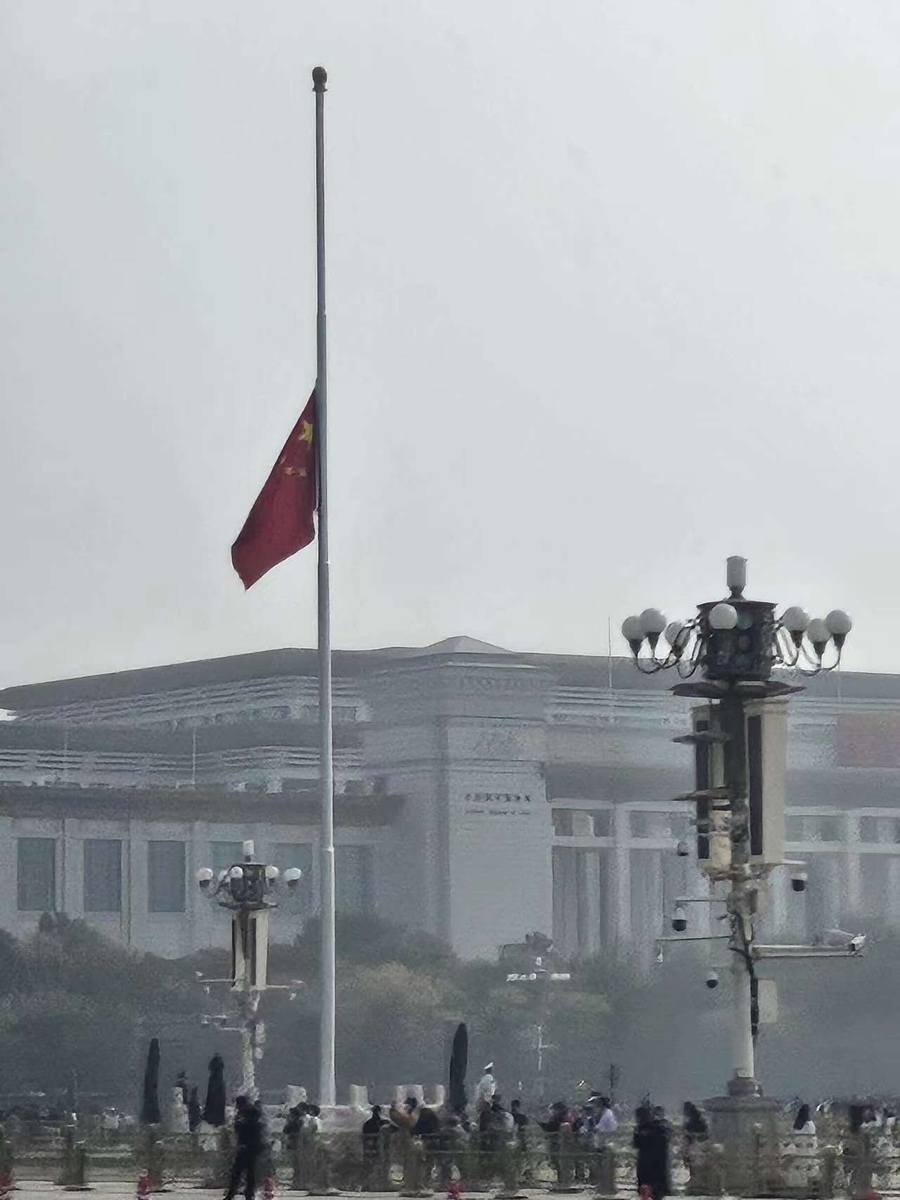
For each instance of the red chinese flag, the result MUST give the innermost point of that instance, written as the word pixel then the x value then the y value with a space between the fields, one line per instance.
pixel 281 521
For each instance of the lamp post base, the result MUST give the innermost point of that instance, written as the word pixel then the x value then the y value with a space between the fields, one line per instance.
pixel 745 1124
pixel 743 1086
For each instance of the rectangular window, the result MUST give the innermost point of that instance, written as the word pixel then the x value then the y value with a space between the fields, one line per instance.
pixel 868 829
pixel 641 824
pixel 225 854
pixel 602 822
pixel 36 874
pixel 829 829
pixel 165 877
pixel 354 881
pixel 302 898
pixel 102 875
pixel 562 822
pixel 794 829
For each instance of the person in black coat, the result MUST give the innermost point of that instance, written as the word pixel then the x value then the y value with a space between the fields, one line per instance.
pixel 651 1141
pixel 695 1126
pixel 521 1122
pixel 249 1133
pixel 371 1136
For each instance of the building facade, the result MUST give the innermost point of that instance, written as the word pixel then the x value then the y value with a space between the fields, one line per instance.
pixel 480 795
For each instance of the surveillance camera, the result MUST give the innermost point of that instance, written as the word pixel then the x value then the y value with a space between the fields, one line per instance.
pixel 839 939
pixel 292 876
pixel 204 877
pixel 712 980
pixel 682 849
pixel 679 920
pixel 799 880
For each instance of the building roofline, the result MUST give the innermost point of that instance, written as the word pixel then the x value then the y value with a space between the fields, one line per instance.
pixel 570 670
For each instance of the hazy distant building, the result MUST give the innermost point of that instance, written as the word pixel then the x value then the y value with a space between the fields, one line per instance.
pixel 480 795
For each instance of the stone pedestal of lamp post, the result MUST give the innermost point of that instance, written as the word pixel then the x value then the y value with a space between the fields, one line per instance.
pixel 747 1127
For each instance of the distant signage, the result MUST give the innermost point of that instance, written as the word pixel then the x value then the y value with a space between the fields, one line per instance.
pixel 497 804
pixel 496 798
pixel 868 740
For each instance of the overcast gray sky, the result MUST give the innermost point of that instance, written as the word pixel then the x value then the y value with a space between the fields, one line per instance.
pixel 613 293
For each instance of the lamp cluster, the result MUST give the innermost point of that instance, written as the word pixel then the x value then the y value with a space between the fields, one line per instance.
pixel 247 884
pixel 738 638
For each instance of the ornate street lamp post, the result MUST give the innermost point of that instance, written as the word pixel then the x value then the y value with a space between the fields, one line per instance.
pixel 540 980
pixel 247 890
pixel 726 656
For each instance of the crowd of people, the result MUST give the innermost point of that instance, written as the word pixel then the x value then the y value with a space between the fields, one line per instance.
pixel 592 1126
pixel 581 1133
pixel 445 1134
pixel 572 1137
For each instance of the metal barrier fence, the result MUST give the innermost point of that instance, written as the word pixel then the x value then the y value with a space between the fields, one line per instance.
pixel 322 1164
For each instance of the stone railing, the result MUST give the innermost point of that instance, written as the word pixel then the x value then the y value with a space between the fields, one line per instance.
pixel 326 1163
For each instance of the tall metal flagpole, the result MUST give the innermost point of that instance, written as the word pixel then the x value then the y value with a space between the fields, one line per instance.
pixel 326 763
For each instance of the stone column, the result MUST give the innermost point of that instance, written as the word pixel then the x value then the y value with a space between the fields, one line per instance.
pixel 9 874
pixel 622 876
pixel 70 884
pixel 892 900
pixel 647 910
pixel 557 859
pixel 831 889
pixel 588 902
pixel 778 901
pixel 852 874
pixel 653 915
pixel 566 895
pixel 197 905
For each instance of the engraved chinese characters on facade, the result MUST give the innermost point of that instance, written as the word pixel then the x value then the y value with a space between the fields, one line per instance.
pixel 498 804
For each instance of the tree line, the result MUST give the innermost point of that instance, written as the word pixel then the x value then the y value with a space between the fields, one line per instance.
pixel 79 1009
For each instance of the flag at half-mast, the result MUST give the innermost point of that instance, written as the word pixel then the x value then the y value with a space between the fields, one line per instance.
pixel 281 520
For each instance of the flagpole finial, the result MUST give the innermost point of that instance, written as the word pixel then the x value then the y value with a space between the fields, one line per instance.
pixel 320 78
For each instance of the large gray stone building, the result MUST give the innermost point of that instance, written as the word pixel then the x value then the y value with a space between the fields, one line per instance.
pixel 481 794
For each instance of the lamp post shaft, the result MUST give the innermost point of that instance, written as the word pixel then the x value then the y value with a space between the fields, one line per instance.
pixel 249 1002
pixel 248 1042
pixel 740 900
